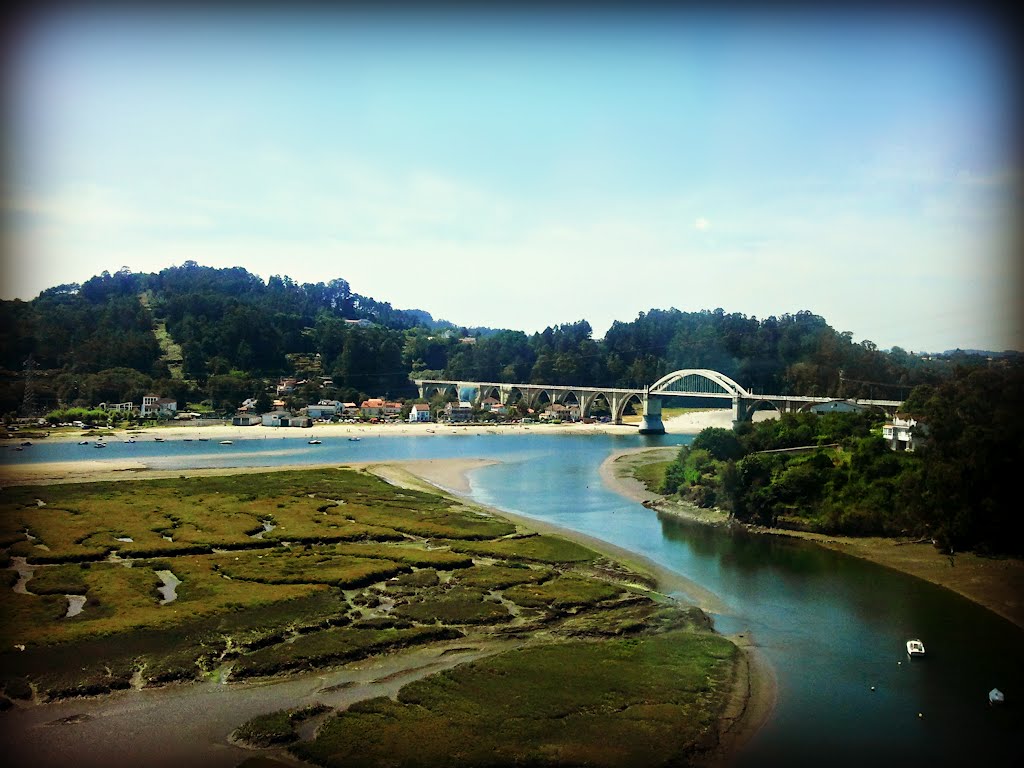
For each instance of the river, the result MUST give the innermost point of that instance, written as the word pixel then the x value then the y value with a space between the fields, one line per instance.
pixel 832 627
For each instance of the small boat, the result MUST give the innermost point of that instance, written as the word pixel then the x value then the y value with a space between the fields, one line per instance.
pixel 915 648
pixel 83 442
pixel 130 440
pixel 226 442
pixel 354 439
pixel 101 445
pixel 204 439
pixel 314 442
pixel 26 444
pixel 158 439
pixel 995 697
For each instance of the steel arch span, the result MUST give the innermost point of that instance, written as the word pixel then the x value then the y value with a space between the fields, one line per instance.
pixel 697 381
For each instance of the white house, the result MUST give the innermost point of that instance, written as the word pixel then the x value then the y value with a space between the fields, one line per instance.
pixel 161 406
pixel 904 434
pixel 325 409
pixel 419 412
pixel 285 419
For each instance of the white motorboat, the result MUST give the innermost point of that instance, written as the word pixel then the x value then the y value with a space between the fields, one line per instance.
pixel 314 442
pixel 354 439
pixel 915 648
pixel 995 696
pixel 226 442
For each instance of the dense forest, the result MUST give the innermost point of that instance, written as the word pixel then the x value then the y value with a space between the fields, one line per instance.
pixel 959 489
pixel 200 334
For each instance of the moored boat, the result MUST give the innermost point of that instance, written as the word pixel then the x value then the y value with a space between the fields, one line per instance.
pixel 915 648
pixel 226 442
pixel 313 442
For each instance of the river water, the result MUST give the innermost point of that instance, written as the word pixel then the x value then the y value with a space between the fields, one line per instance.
pixel 833 627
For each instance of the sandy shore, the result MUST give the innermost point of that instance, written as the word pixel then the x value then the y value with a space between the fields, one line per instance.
pixel 686 424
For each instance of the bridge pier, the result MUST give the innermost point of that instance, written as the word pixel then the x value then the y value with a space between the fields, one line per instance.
pixel 651 423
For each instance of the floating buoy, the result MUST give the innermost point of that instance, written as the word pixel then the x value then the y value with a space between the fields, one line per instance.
pixel 872 687
pixel 920 714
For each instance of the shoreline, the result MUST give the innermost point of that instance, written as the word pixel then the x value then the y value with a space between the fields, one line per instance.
pixel 755 688
pixel 996 584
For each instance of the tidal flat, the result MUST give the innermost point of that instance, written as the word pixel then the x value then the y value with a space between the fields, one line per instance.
pixel 558 654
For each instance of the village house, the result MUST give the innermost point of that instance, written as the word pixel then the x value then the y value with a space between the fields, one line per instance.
pixel 371 408
pixel 286 386
pixel 158 406
pixel 119 407
pixel 904 434
pixel 461 411
pixel 325 409
pixel 391 409
pixel 246 420
pixel 559 412
pixel 419 412
pixel 284 419
pixel 350 410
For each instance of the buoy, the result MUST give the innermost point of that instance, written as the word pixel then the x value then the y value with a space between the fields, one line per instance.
pixel 872 687
pixel 920 714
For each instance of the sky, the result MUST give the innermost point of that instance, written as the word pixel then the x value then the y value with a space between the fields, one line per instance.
pixel 519 169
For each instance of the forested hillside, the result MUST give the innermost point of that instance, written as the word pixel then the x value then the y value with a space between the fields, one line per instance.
pixel 197 333
pixel 959 489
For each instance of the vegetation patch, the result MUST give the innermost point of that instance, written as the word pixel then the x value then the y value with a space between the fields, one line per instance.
pixel 563 592
pixel 648 701
pixel 455 606
pixel 335 646
pixel 488 577
pixel 276 727
pixel 539 548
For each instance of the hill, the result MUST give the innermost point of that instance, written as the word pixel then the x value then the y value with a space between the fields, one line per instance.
pixel 198 333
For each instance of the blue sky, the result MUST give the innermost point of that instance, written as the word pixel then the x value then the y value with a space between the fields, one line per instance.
pixel 526 169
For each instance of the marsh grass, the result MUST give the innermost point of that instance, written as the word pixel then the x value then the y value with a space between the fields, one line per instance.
pixel 353 567
pixel 333 646
pixel 647 701
pixel 563 592
pixel 652 475
pixel 455 606
pixel 539 548
pixel 275 727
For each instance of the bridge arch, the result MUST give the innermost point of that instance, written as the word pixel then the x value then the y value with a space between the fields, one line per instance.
pixel 621 409
pixel 489 391
pixel 697 381
pixel 446 391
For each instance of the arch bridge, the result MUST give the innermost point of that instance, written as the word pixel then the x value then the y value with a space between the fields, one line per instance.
pixel 687 382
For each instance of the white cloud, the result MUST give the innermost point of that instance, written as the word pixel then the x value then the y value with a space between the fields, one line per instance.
pixel 702 224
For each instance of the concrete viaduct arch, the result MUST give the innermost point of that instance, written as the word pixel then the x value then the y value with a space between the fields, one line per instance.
pixel 693 382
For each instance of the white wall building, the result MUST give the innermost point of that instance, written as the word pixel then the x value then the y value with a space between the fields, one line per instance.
pixel 904 434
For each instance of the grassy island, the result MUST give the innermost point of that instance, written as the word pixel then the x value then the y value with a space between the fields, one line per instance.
pixel 136 584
